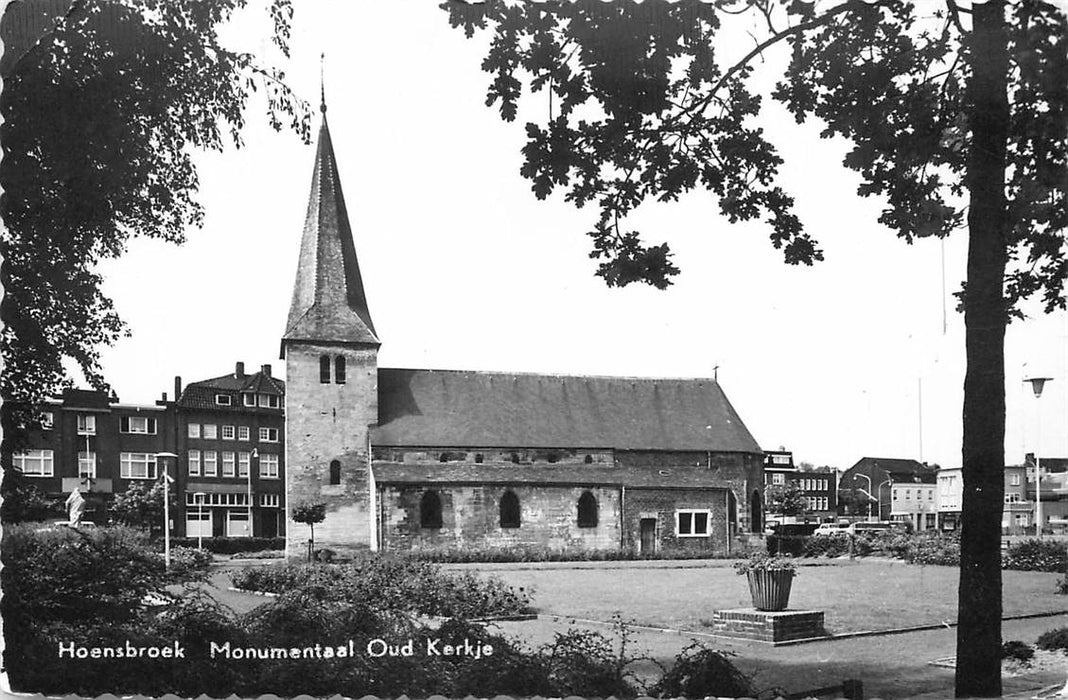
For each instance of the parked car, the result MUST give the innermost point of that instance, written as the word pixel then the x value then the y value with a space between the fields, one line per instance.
pixel 832 530
pixel 866 526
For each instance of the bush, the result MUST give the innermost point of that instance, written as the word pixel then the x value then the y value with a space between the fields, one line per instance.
pixel 1062 585
pixel 1052 640
pixel 395 584
pixel 700 671
pixel 1017 651
pixel 189 562
pixel 233 545
pixel 1036 555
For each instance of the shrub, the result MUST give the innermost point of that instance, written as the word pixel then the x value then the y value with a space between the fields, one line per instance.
pixel 1062 585
pixel 189 562
pixel 1017 651
pixel 700 671
pixel 232 545
pixel 1052 640
pixel 1035 555
pixel 582 662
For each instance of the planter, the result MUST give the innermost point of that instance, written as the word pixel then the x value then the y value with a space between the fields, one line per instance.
pixel 770 589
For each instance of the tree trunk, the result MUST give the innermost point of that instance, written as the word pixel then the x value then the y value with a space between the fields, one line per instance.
pixel 979 602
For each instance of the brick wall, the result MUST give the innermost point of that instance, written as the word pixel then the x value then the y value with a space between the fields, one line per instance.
pixel 326 422
pixel 662 504
pixel 471 519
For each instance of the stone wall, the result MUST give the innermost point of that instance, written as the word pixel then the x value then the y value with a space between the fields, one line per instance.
pixel 471 518
pixel 327 422
pixel 662 504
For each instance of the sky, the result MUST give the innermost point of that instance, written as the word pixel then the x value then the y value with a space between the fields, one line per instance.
pixel 860 355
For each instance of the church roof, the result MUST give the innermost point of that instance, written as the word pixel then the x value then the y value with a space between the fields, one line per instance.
pixel 329 304
pixel 570 475
pixel 450 408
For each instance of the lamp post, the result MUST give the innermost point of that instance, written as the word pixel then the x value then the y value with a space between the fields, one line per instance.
pixel 1037 384
pixel 868 479
pixel 160 456
pixel 199 497
pixel 879 494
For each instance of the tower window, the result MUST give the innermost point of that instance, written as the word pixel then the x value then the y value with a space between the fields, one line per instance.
pixel 324 369
pixel 339 370
pixel 430 510
pixel 509 510
pixel 335 473
pixel 587 510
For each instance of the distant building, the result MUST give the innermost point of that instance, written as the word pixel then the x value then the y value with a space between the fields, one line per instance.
pixel 819 487
pixel 882 488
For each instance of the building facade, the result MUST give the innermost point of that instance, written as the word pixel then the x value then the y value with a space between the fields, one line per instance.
pixel 818 487
pixel 884 488
pixel 421 459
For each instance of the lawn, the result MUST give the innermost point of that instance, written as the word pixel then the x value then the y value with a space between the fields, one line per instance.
pixel 856 596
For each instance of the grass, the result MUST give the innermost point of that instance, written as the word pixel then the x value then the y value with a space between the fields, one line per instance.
pixel 856 596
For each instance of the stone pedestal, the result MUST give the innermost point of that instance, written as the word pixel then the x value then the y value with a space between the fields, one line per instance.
pixel 764 626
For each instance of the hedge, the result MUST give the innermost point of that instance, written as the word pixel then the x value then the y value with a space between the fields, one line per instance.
pixel 230 545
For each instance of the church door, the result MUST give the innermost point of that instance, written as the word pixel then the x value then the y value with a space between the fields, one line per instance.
pixel 648 535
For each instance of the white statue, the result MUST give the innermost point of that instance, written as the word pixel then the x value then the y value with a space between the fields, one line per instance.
pixel 75 507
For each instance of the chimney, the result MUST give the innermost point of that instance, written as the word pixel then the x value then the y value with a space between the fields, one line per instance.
pixel 177 388
pixel 266 369
pixel 165 397
pixel 239 370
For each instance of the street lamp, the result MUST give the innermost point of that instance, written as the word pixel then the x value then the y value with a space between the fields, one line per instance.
pixel 868 478
pixel 879 494
pixel 160 456
pixel 1037 384
pixel 199 497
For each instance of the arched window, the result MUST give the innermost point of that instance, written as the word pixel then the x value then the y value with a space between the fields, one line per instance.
pixel 324 369
pixel 335 473
pixel 430 510
pixel 339 370
pixel 589 459
pixel 587 510
pixel 509 510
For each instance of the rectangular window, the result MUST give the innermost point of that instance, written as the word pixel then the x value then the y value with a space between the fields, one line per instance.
pixel 908 495
pixel 270 500
pixel 194 430
pixel 1015 480
pixel 268 401
pixel 48 419
pixel 242 432
pixel 222 399
pixel 228 432
pixel 211 431
pixel 227 463
pixel 194 462
pixel 268 434
pixel 34 463
pixel 87 465
pixel 268 466
pixel 778 479
pixel 692 523
pixel 86 424
pixel 210 463
pixel 243 462
pixel 249 399
pixel 137 465
pixel 137 425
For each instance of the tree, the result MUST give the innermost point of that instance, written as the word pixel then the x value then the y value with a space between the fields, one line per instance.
pixel 957 117
pixel 310 514
pixel 24 502
pixel 141 506
pixel 787 499
pixel 103 104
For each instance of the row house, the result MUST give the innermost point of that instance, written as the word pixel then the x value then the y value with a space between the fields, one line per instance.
pixel 227 434
pixel 1021 495
pixel 891 489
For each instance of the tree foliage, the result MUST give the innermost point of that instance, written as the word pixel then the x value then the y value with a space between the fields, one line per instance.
pixel 141 506
pixel 103 107
pixel 958 118
pixel 787 499
pixel 310 514
pixel 24 502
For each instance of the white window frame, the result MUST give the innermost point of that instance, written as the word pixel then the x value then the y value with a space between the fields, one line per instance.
pixel 249 400
pixel 778 479
pixel 210 462
pixel 265 434
pixel 129 460
pixel 244 463
pixel 210 431
pixel 270 500
pixel 691 512
pixel 194 430
pixel 268 466
pixel 146 425
pixel 268 400
pixel 35 463
pixel 87 465
pixel 194 462
pixel 242 432
pixel 228 432
pixel 229 464
pixel 86 424
pixel 224 400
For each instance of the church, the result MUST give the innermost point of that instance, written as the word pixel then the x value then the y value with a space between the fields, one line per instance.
pixel 424 459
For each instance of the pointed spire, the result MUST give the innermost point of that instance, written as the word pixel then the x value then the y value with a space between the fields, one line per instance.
pixel 329 304
pixel 322 85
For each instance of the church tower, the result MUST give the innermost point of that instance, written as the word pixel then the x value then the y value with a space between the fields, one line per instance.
pixel 331 353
